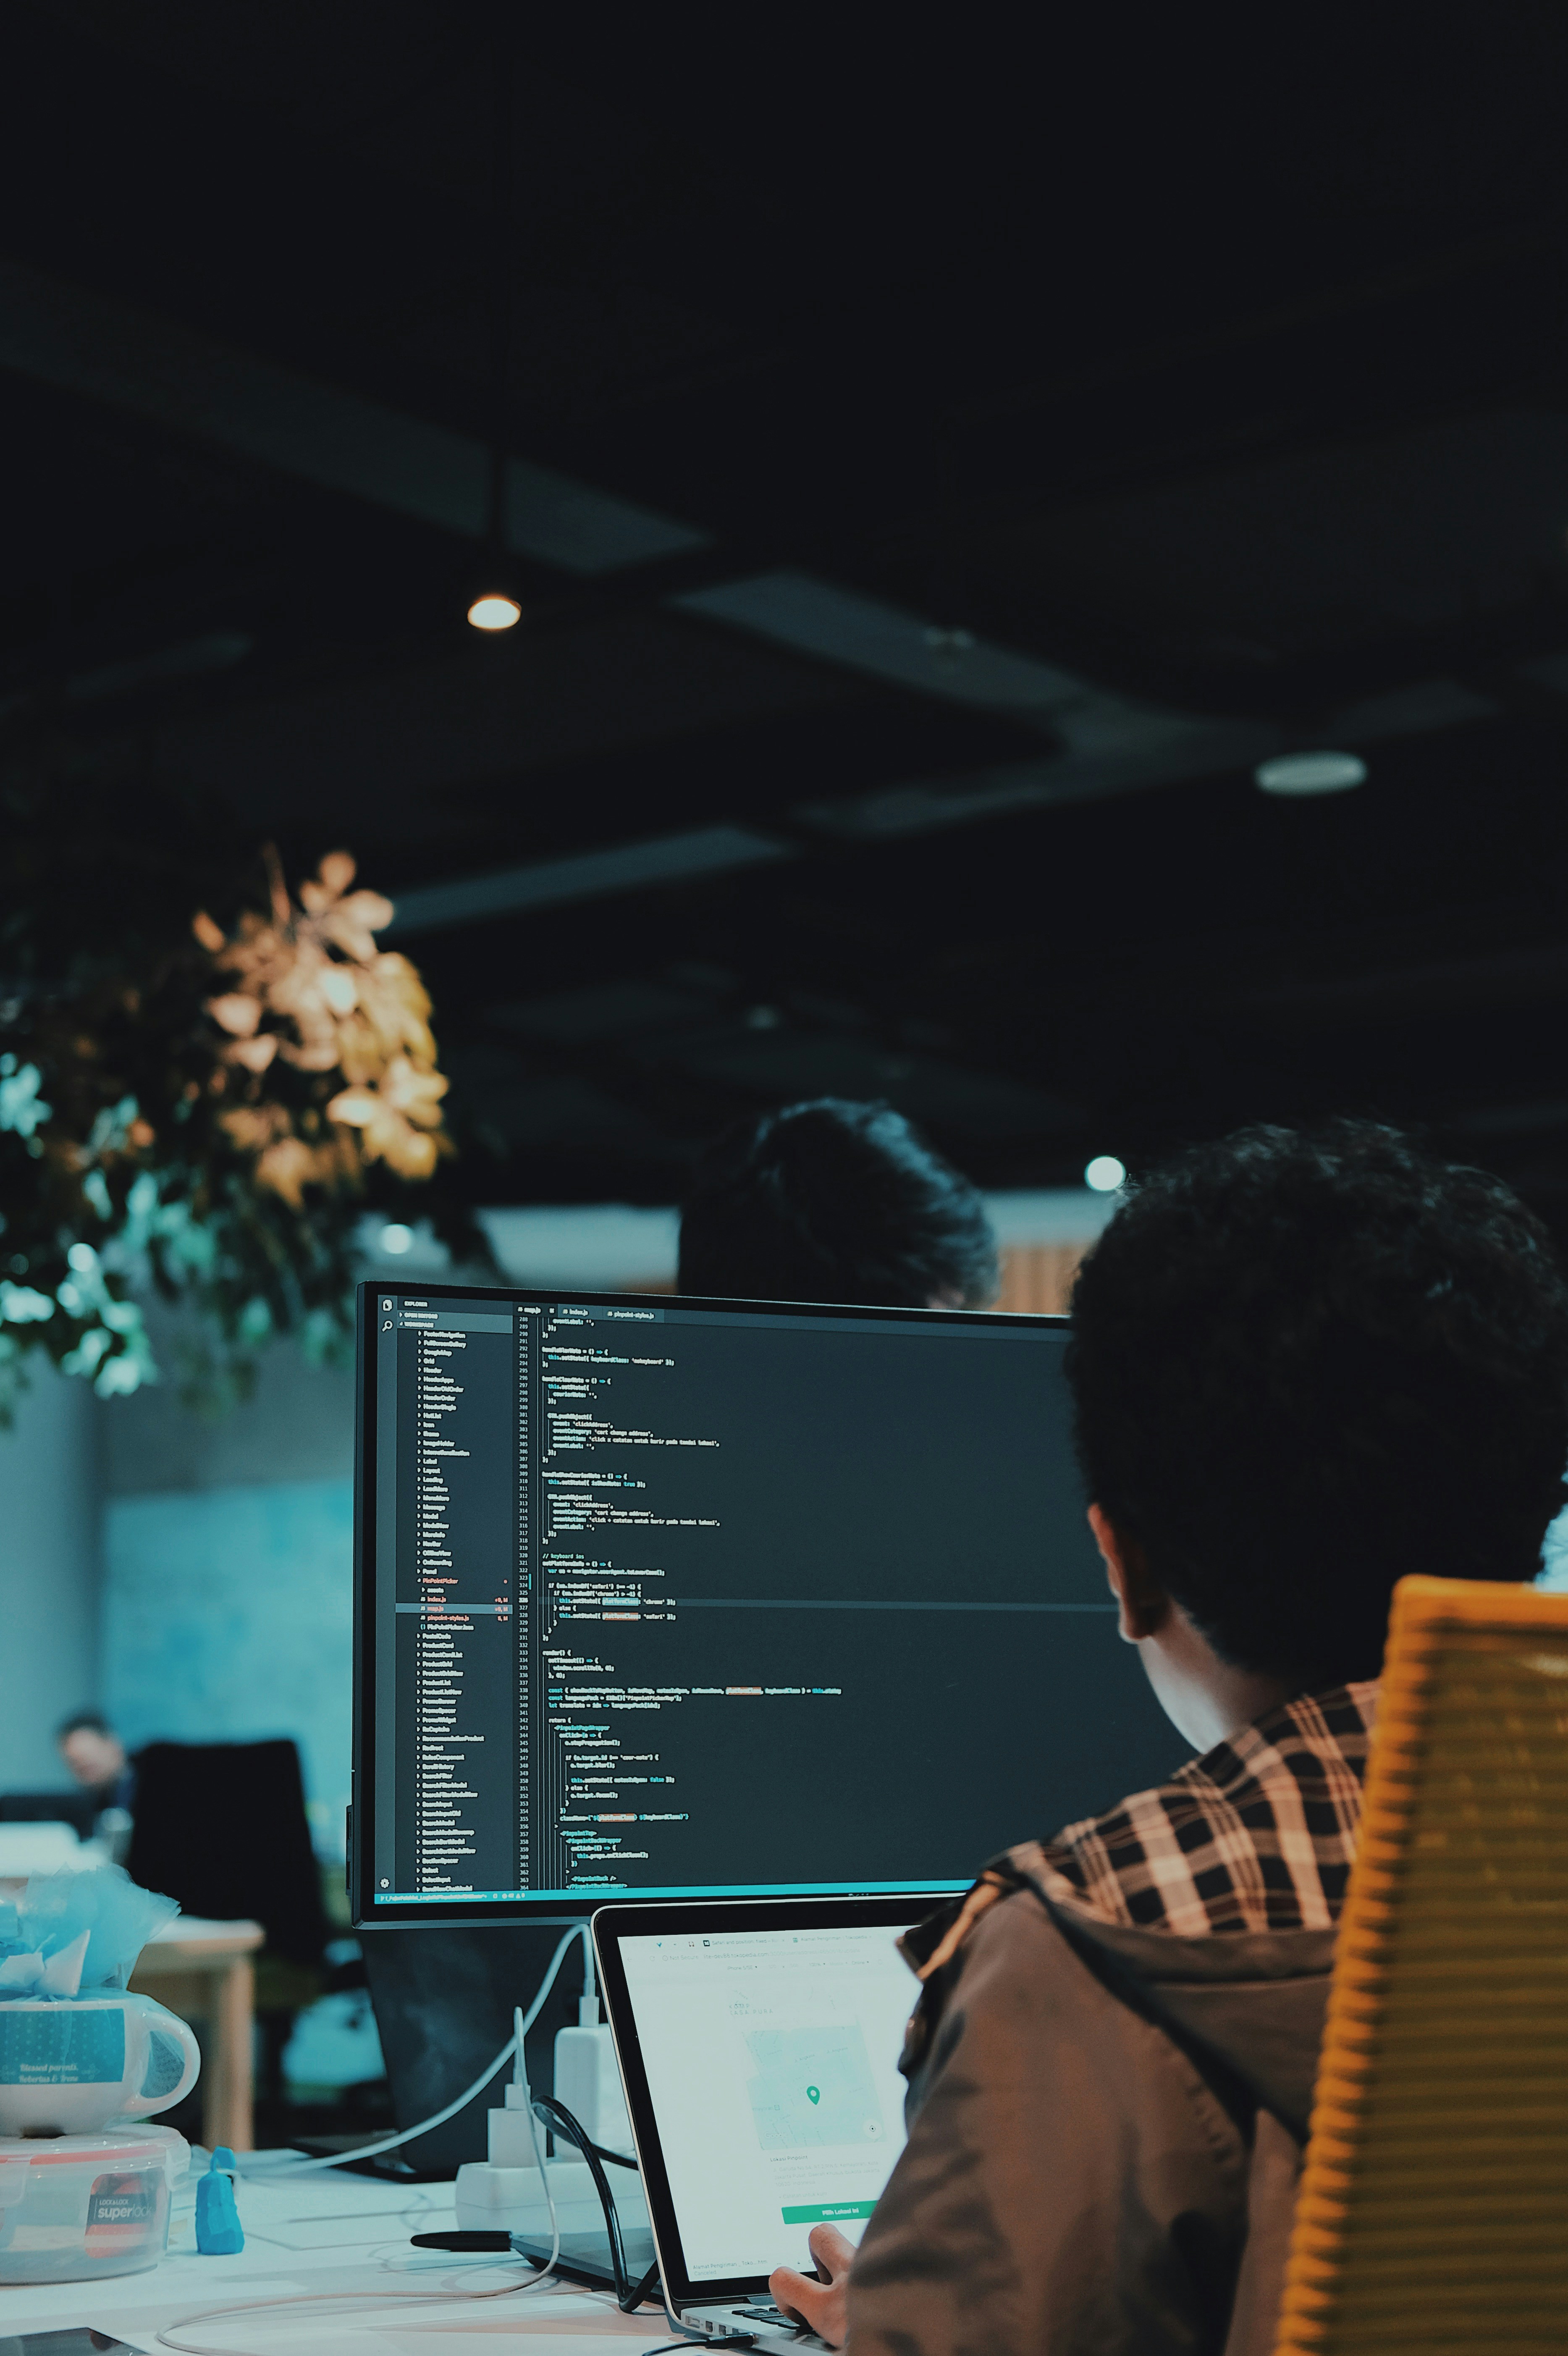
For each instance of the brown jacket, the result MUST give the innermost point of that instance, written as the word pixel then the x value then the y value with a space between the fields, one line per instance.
pixel 1106 2133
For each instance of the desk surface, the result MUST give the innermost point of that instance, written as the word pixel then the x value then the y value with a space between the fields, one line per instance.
pixel 189 1939
pixel 192 1939
pixel 331 2234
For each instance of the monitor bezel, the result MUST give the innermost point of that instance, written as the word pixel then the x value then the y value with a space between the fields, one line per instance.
pixel 611 1925
pixel 466 1914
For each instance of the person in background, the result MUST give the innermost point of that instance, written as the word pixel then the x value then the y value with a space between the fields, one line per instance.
pixel 834 1201
pixel 1302 1365
pixel 98 1760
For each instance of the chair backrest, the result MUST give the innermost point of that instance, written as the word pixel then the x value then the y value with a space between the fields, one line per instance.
pixel 1433 2214
pixel 222 1828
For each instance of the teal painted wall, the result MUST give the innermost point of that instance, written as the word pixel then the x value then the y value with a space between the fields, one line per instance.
pixel 227 1616
pixel 228 1566
pixel 49 1575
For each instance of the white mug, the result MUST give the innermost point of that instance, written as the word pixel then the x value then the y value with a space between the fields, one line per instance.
pixel 68 2066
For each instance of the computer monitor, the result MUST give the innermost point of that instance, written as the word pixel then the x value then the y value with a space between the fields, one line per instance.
pixel 671 1598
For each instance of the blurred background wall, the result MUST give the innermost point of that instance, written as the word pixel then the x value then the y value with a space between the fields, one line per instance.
pixel 50 1573
pixel 227 1570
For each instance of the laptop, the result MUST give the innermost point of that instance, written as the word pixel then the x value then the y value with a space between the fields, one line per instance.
pixel 759 2047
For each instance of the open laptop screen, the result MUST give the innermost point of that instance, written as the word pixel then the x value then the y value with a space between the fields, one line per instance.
pixel 773 2088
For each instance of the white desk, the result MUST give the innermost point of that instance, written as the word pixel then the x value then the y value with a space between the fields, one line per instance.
pixel 46 1846
pixel 329 2232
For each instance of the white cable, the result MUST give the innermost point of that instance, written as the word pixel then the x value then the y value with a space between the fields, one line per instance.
pixel 513 2045
pixel 368 2299
pixel 518 2035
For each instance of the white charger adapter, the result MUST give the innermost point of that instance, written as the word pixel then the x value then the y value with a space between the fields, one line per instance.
pixel 588 2080
pixel 505 2192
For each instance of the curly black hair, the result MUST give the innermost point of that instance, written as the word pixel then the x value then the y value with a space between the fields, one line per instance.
pixel 833 1200
pixel 1306 1363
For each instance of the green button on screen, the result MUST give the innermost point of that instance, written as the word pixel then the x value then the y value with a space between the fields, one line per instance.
pixel 827 2213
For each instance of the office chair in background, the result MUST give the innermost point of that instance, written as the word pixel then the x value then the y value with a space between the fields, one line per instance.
pixel 1433 2214
pixel 222 1828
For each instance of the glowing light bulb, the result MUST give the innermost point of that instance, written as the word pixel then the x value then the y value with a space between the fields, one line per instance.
pixel 1105 1173
pixel 397 1238
pixel 495 612
pixel 1311 772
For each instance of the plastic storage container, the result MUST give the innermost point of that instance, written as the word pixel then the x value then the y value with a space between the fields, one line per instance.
pixel 73 2208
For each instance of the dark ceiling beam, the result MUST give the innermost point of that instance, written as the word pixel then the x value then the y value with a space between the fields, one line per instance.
pixel 592 875
pixel 107 350
pixel 96 347
pixel 1437 272
pixel 1504 977
pixel 1102 743
pixel 93 345
pixel 1179 751
pixel 99 347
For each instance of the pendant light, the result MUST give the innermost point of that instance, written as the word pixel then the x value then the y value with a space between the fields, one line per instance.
pixel 494 606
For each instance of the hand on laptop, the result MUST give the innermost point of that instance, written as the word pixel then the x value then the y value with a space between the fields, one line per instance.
pixel 820 2305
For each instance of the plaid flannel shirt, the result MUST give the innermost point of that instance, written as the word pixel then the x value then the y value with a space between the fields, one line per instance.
pixel 1258 1834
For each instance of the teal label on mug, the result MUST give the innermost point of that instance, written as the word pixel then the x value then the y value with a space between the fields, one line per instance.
pixel 65 2046
pixel 166 2064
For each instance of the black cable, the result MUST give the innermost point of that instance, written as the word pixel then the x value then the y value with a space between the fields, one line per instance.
pixel 741 2340
pixel 498 290
pixel 558 2119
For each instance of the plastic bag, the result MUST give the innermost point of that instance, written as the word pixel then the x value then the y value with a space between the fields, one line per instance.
pixel 72 1934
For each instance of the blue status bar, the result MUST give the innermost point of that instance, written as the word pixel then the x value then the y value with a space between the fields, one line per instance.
pixel 582 1890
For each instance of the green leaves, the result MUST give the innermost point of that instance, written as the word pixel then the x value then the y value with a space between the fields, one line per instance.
pixel 195 1109
pixel 22 1108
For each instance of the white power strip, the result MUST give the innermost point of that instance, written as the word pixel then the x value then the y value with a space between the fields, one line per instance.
pixel 505 2192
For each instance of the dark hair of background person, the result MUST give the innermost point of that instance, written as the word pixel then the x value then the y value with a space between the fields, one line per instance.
pixel 1304 1363
pixel 834 1201
pixel 82 1721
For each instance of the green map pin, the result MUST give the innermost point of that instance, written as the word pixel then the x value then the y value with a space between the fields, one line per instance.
pixel 814 2093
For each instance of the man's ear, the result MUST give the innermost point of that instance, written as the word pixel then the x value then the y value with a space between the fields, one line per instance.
pixel 1142 1603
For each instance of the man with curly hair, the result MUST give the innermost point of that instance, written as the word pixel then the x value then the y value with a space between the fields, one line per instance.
pixel 1303 1364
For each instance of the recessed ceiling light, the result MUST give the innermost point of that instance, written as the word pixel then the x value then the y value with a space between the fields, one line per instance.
pixel 495 612
pixel 1311 772
pixel 1105 1173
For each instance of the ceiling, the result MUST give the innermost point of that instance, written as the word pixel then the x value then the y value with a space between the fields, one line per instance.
pixel 942 463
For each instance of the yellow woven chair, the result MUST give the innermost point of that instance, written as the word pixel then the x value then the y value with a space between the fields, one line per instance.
pixel 1433 2214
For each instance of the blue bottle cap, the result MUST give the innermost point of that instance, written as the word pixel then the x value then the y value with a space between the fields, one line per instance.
pixel 219 2232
